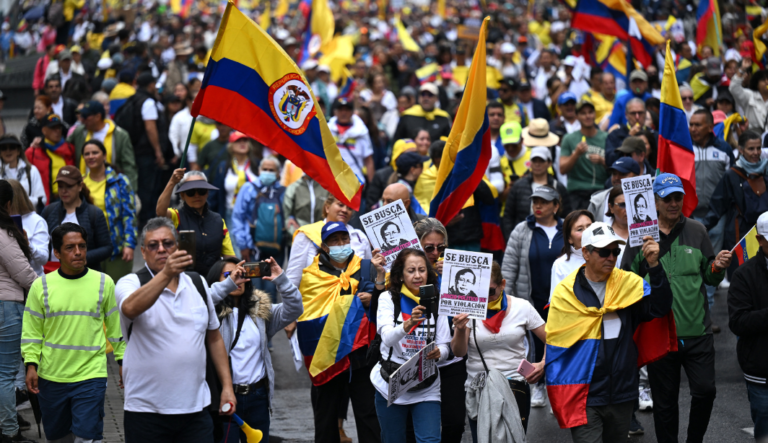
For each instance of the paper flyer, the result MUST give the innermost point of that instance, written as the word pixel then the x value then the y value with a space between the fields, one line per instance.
pixel 389 228
pixel 465 283
pixel 641 209
pixel 411 373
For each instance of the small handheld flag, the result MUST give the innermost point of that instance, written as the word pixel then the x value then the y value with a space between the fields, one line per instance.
pixel 747 247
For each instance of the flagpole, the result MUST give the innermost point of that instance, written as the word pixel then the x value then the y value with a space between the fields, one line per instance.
pixel 186 145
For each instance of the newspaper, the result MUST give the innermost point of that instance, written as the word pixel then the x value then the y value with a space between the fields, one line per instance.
pixel 641 209
pixel 389 228
pixel 411 373
pixel 465 283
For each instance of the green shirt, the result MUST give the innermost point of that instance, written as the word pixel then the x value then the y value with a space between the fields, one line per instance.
pixel 585 175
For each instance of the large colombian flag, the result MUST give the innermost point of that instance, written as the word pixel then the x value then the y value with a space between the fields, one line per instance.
pixel 675 154
pixel 709 31
pixel 620 19
pixel 468 149
pixel 253 86
pixel 573 341
pixel 334 322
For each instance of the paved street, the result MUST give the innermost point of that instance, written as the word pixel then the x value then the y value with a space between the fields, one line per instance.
pixel 292 412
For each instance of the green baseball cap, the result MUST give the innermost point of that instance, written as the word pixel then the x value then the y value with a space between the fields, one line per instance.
pixel 510 133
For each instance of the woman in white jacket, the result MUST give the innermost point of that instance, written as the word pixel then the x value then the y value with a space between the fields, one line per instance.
pixel 16 166
pixel 574 225
pixel 404 331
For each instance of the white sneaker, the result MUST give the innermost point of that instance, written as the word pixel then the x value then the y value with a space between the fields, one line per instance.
pixel 539 396
pixel 646 401
pixel 725 284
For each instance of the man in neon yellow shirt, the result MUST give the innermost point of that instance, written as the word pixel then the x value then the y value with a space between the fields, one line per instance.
pixel 63 343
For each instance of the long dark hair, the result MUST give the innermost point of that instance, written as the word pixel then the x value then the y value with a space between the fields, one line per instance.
pixel 103 150
pixel 570 220
pixel 396 280
pixel 246 301
pixel 6 196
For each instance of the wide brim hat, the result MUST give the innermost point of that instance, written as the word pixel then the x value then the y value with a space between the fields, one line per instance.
pixel 195 184
pixel 537 134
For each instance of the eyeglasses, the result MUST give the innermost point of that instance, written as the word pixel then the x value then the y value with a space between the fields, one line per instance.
pixel 167 245
pixel 676 197
pixel 192 192
pixel 427 94
pixel 687 98
pixel 504 90
pixel 605 253
pixel 431 248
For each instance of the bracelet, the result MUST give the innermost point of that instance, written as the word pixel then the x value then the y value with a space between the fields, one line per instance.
pixel 715 270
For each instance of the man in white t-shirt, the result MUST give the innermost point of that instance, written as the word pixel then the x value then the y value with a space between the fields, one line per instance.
pixel 168 324
pixel 352 138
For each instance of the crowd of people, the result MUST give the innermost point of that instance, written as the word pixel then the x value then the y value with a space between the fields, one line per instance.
pixel 111 161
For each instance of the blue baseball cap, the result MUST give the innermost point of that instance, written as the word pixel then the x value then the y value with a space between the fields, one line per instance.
pixel 331 228
pixel 566 97
pixel 666 184
pixel 626 165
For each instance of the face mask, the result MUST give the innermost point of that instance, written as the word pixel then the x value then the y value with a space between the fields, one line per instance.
pixel 267 177
pixel 340 254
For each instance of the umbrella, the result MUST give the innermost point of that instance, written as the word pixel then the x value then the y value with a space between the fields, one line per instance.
pixel 36 410
pixel 34 13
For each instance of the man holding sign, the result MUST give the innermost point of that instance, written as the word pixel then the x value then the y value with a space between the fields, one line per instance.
pixel 690 263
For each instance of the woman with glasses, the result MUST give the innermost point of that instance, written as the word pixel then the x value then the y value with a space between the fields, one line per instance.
pixel 501 341
pixel 617 217
pixel 113 194
pixel 212 240
pixel 248 320
pixel 533 247
pixel 571 259
pixel 75 205
pixel 16 166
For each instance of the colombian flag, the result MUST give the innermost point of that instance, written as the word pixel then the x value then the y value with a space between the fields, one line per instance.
pixel 709 30
pixel 620 19
pixel 319 28
pixel 675 154
pixel 409 44
pixel 332 325
pixel 759 48
pixel 610 56
pixel 573 341
pixel 747 247
pixel 252 85
pixel 493 238
pixel 495 313
pixel 428 73
pixel 468 149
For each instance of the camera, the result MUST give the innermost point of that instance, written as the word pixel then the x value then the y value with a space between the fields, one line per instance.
pixel 258 269
pixel 428 299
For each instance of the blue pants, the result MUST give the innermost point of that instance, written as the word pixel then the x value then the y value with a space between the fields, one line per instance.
pixel 76 408
pixel 10 357
pixel 758 403
pixel 253 408
pixel 426 420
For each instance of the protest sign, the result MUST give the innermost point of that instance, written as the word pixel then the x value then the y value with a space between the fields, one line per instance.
pixel 411 373
pixel 466 278
pixel 641 209
pixel 389 228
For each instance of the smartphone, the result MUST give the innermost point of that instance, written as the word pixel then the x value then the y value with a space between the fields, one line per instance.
pixel 428 299
pixel 525 369
pixel 17 219
pixel 188 242
pixel 258 269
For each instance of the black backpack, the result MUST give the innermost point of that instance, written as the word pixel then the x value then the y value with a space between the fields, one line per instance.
pixel 129 117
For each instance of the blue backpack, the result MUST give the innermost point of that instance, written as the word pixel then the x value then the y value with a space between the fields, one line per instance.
pixel 268 221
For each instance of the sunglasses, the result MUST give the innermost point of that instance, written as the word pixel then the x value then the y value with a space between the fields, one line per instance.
pixel 621 205
pixel 167 245
pixel 427 94
pixel 227 274
pixel 431 248
pixel 192 192
pixel 676 197
pixel 8 147
pixel 686 99
pixel 605 253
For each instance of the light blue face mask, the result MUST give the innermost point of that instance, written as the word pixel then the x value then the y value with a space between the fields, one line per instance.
pixel 340 254
pixel 267 177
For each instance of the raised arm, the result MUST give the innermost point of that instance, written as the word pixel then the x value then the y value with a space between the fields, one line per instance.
pixel 164 201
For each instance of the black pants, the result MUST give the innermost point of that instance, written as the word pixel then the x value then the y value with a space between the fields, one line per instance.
pixel 697 357
pixel 580 199
pixel 328 398
pixel 148 188
pixel 453 408
pixel 145 427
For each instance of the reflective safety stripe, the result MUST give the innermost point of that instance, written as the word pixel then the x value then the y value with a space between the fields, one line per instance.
pixel 85 313
pixel 73 348
pixel 101 294
pixel 45 296
pixel 115 340
pixel 62 313
pixel 35 313
pixel 31 340
pixel 111 311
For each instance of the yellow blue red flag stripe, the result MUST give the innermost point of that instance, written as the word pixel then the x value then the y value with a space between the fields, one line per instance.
pixel 709 31
pixel 468 149
pixel 675 152
pixel 252 85
pixel 747 247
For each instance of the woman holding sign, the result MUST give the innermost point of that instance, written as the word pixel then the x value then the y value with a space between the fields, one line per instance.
pixel 501 342
pixel 406 327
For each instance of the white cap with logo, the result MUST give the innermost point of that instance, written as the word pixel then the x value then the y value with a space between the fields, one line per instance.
pixel 600 235
pixel 762 224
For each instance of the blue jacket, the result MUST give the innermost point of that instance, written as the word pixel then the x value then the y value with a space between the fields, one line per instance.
pixel 619 114
pixel 615 377
pixel 247 204
pixel 119 202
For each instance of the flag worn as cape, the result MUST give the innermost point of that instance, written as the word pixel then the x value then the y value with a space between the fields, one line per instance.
pixel 254 87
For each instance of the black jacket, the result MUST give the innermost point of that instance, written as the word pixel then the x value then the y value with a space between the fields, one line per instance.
pixel 748 317
pixel 469 229
pixel 728 200
pixel 209 235
pixel 410 125
pixel 375 188
pixel 540 109
pixel 91 218
pixel 615 378
pixel 518 205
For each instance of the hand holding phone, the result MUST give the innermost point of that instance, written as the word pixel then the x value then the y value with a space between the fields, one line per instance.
pixel 257 270
pixel 525 369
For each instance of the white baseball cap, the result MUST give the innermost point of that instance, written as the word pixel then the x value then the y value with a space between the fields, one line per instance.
pixel 600 235
pixel 762 224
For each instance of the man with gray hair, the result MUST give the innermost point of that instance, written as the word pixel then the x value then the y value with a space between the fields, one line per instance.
pixel 689 107
pixel 635 115
pixel 169 323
